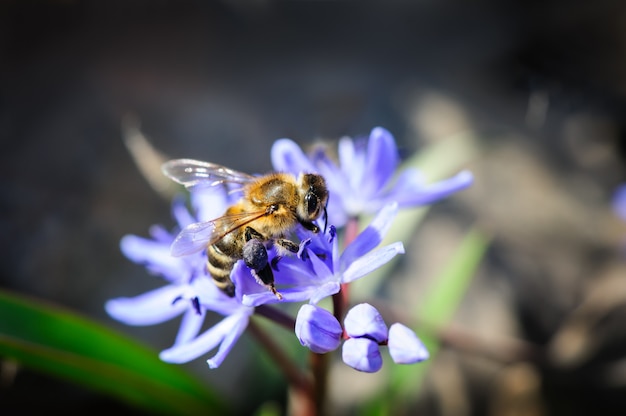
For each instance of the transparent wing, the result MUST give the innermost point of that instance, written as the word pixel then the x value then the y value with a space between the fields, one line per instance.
pixel 191 173
pixel 198 236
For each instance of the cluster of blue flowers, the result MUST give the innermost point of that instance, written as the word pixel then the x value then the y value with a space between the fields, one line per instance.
pixel 364 182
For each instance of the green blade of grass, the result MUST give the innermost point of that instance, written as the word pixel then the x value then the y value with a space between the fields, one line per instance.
pixel 53 340
pixel 438 308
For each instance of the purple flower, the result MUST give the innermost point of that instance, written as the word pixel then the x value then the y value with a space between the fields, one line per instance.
pixel 320 272
pixel 363 182
pixel 317 329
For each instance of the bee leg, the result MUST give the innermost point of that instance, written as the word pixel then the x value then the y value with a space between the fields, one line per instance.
pixel 255 257
pixel 288 244
pixel 255 254
pixel 251 233
pixel 266 276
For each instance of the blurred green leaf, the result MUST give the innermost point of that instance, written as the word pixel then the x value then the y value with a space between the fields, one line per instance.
pixel 56 341
pixel 437 309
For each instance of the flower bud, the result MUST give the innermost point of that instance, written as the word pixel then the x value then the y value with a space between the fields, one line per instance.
pixel 317 329
pixel 404 346
pixel 363 320
pixel 362 354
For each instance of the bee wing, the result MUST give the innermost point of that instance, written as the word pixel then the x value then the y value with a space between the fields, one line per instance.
pixel 200 235
pixel 193 238
pixel 191 172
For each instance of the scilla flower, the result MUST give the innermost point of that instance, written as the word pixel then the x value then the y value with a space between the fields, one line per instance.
pixel 365 179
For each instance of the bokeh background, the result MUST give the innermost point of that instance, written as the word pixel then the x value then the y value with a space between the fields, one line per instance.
pixel 536 90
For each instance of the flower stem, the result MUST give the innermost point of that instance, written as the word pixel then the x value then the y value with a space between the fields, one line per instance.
pixel 319 362
pixel 276 315
pixel 297 379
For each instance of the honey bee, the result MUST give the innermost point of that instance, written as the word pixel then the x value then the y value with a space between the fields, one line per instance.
pixel 270 208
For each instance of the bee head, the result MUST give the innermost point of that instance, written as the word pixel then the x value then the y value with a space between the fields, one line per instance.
pixel 313 196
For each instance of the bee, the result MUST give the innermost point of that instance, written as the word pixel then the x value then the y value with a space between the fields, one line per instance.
pixel 270 208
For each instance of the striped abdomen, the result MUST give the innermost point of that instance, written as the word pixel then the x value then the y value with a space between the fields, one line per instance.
pixel 221 258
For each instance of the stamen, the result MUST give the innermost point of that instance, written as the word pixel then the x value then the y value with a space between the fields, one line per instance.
pixel 195 302
pixel 332 232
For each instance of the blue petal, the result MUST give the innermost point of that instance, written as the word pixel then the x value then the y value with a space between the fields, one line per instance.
pixel 363 320
pixel 317 329
pixel 371 261
pixel 155 255
pixel 160 235
pixel 288 157
pixel 189 327
pixel 404 346
pixel 209 203
pixel 298 294
pixel 229 341
pixel 352 163
pixel 320 269
pixel 362 354
pixel 382 160
pixel 206 341
pixel 370 237
pixel 181 213
pixel 150 308
pixel 324 291
pixel 410 191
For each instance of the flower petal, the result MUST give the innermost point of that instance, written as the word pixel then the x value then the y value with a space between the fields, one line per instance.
pixel 404 346
pixel 370 237
pixel 288 157
pixel 317 329
pixel 208 203
pixel 410 191
pixel 157 257
pixel 382 160
pixel 324 291
pixel 363 320
pixel 149 308
pixel 371 261
pixel 299 294
pixel 204 343
pixel 362 354
pixel 229 341
pixel 189 327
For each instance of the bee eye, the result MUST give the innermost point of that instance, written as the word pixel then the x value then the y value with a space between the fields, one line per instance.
pixel 312 204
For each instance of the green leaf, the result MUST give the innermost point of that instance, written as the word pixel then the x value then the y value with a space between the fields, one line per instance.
pixel 56 341
pixel 438 307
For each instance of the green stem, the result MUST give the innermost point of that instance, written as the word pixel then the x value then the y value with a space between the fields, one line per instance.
pixel 276 315
pixel 320 362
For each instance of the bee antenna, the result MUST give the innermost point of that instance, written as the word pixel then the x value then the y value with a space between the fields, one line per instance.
pixel 325 219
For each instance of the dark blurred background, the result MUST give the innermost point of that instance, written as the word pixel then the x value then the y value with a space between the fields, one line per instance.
pixel 541 86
